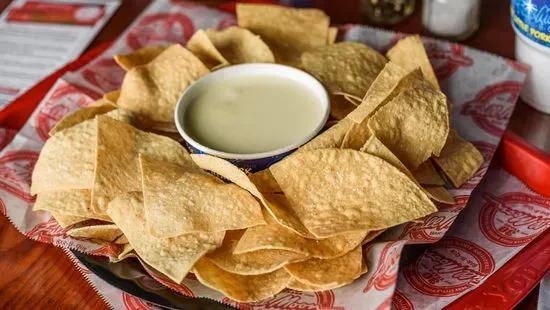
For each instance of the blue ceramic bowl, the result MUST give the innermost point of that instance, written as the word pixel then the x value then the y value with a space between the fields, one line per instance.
pixel 255 161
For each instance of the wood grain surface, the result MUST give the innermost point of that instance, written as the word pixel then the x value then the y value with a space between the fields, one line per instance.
pixel 40 276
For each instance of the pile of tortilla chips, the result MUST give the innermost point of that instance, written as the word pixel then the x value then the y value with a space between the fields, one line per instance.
pixel 113 172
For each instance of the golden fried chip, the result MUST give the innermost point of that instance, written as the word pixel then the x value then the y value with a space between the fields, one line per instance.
pixel 459 159
pixel 275 236
pixel 410 53
pixel 126 252
pixel 356 136
pixel 66 220
pixel 265 182
pixel 106 232
pixel 346 67
pixel 180 200
pixel 414 125
pixel 296 285
pixel 328 272
pixel 139 57
pixel 75 202
pixel 117 166
pixel 332 35
pixel 238 46
pixel 391 81
pixel 275 204
pixel 339 190
pixel 440 194
pixel 426 174
pixel 152 90
pixel 330 138
pixel 173 257
pixel 112 96
pixel 79 116
pixel 121 240
pixel 250 263
pixel 287 31
pixel 202 47
pixel 239 287
pixel 372 235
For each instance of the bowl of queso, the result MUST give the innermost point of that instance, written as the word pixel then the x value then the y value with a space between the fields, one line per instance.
pixel 252 115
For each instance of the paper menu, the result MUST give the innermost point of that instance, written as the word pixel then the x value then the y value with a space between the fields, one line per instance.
pixel 38 37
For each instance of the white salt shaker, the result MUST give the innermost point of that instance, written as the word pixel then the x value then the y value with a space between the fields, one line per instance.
pixel 451 19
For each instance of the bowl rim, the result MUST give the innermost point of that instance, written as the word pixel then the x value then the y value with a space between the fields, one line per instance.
pixel 256 69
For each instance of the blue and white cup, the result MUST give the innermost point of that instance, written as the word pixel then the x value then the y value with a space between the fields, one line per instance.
pixel 255 161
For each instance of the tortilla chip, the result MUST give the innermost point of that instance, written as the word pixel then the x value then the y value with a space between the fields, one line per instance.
pixel 459 159
pixel 79 116
pixel 173 257
pixel 356 136
pixel 372 235
pixel 202 47
pixel 250 263
pixel 238 46
pixel 108 232
pixel 75 202
pixel 139 57
pixel 117 166
pixel 126 252
pixel 180 200
pixel 426 174
pixel 274 236
pixel 265 182
pixel 296 285
pixel 152 90
pixel 340 106
pixel 391 81
pixel 332 35
pixel 67 159
pixel 66 220
pixel 339 190
pixel 239 287
pixel 112 96
pixel 346 67
pixel 413 125
pixel 328 272
pixel 121 240
pixel 330 138
pixel 410 53
pixel 276 205
pixel 440 194
pixel 287 31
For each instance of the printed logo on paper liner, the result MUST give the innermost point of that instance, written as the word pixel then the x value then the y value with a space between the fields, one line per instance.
pixel 385 305
pixel 450 267
pixel 487 150
pixel 6 135
pixel 433 227
pixel 105 73
pixel 105 249
pixel 290 300
pixel 65 99
pixel 400 302
pixel 159 29
pixel 16 172
pixel 134 303
pixel 514 219
pixel 46 231
pixel 385 275
pixel 493 106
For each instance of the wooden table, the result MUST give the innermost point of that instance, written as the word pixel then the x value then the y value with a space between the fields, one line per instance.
pixel 36 276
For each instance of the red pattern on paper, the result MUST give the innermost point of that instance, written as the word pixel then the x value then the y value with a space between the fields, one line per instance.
pixel 400 302
pixel 105 249
pixel 180 288
pixel 104 73
pixel 227 22
pixel 514 219
pixel 487 150
pixel 385 305
pixel 16 171
pixel 493 106
pixel 65 99
pixel 159 29
pixel 450 267
pixel 446 62
pixel 3 209
pixel 134 303
pixel 522 68
pixel 6 135
pixel 434 226
pixel 46 231
pixel 386 272
pixel 292 300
